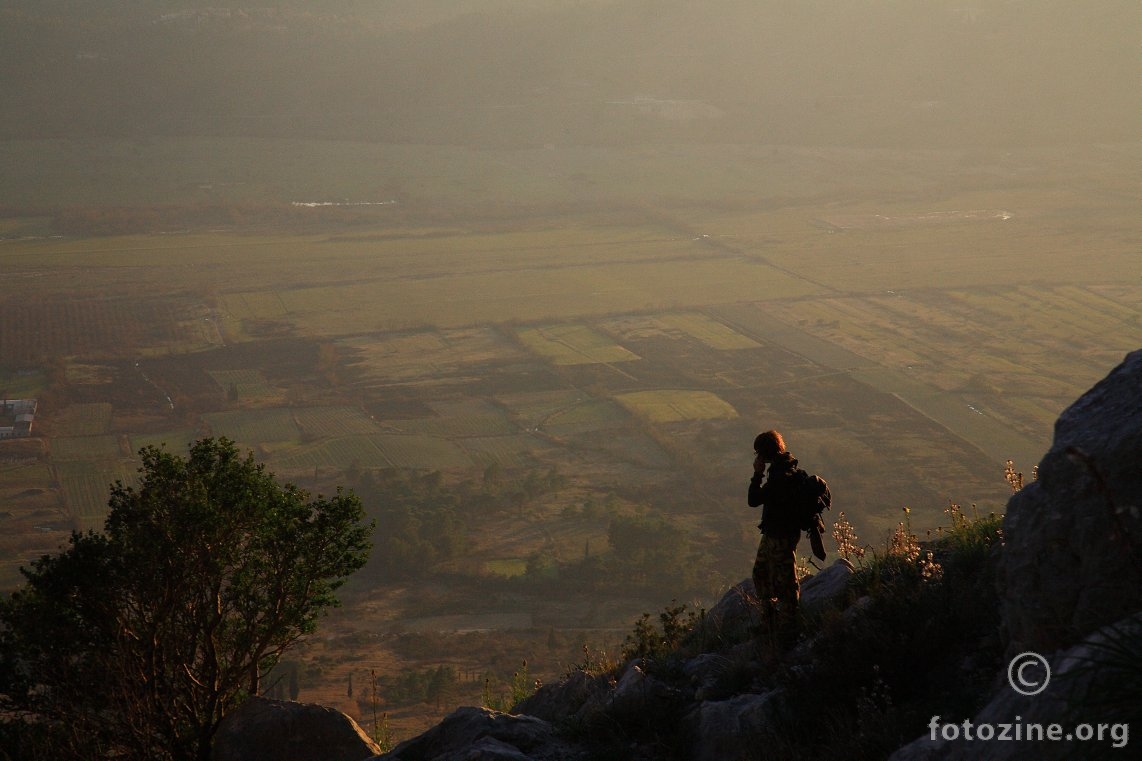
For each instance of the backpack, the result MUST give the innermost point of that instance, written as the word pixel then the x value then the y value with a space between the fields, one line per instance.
pixel 813 497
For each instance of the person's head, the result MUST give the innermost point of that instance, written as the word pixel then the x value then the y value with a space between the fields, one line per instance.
pixel 768 445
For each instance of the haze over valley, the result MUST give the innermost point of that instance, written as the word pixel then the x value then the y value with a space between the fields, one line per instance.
pixel 529 276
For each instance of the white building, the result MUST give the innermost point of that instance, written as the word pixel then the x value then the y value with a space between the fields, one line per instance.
pixel 16 417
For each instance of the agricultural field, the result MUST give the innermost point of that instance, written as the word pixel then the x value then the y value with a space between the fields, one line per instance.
pixel 512 451
pixel 85 488
pixel 331 422
pixel 266 428
pixel 1021 350
pixel 387 301
pixel 672 406
pixel 589 415
pixel 709 331
pixel 86 448
pixel 247 385
pixel 24 383
pixel 360 450
pixel 82 420
pixel 30 511
pixel 176 441
pixel 423 356
pixel 573 345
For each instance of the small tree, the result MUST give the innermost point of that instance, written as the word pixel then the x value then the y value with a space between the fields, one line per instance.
pixel 134 643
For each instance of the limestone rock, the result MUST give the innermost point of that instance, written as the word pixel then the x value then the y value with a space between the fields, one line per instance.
pixel 1071 560
pixel 557 701
pixel 738 609
pixel 725 729
pixel 481 734
pixel 278 730
pixel 717 676
pixel 638 692
pixel 827 588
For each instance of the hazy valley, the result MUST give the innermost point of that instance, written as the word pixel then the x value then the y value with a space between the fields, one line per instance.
pixel 543 309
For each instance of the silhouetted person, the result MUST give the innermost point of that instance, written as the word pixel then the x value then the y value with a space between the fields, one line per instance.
pixel 774 570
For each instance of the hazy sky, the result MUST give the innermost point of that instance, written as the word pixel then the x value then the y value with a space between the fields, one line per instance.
pixel 504 72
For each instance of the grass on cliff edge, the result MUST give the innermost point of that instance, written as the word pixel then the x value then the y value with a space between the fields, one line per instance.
pixel 917 635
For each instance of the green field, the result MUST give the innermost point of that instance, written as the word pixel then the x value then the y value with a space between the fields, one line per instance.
pixel 464 299
pixel 589 415
pixel 462 418
pixel 20 384
pixel 422 354
pixel 23 475
pixel 535 407
pixel 714 334
pixel 573 345
pixel 332 422
pixel 86 488
pixel 86 448
pixel 176 441
pixel 253 427
pixel 84 419
pixel 1020 352
pixel 509 451
pixel 671 406
pixel 246 384
pixel 422 452
pixel 361 450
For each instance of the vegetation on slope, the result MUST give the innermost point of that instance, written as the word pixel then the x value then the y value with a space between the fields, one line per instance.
pixel 916 636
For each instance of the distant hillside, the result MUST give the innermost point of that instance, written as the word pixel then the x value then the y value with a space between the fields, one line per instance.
pixel 508 72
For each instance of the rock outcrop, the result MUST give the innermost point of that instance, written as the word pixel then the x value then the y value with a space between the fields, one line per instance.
pixel 481 734
pixel 821 590
pixel 717 727
pixel 1071 557
pixel 278 730
pixel 1070 585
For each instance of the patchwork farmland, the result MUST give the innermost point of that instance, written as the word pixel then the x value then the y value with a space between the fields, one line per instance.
pixel 541 377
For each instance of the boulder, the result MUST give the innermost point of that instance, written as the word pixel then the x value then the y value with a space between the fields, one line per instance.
pixel 738 609
pixel 730 729
pixel 638 692
pixel 481 734
pixel 1071 558
pixel 279 730
pixel 716 676
pixel 827 588
pixel 557 701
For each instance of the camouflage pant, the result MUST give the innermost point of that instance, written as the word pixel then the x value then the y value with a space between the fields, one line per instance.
pixel 775 574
